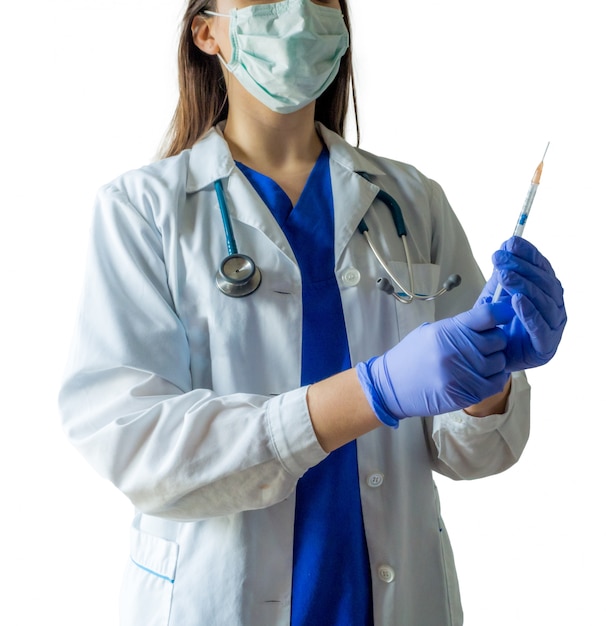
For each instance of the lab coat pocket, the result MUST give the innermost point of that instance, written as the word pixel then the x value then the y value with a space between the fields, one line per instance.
pixel 148 584
pixel 426 277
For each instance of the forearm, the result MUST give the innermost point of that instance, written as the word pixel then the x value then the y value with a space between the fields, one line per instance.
pixel 339 410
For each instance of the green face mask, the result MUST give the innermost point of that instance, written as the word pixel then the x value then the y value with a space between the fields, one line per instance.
pixel 286 53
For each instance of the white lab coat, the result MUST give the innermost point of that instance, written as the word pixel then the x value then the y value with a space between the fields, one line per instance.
pixel 190 401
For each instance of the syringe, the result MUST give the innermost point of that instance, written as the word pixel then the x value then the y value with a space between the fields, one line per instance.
pixel 521 223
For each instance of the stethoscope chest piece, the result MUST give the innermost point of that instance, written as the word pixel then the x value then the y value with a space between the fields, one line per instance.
pixel 238 276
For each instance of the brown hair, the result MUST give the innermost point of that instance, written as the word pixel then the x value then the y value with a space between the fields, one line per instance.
pixel 203 97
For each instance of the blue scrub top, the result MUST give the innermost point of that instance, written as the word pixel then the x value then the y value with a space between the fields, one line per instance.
pixel 331 571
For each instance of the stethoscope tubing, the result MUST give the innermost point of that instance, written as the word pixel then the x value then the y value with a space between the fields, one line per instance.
pixel 230 240
pixel 404 295
pixel 239 287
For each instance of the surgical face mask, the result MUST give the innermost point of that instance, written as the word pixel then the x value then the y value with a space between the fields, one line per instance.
pixel 286 53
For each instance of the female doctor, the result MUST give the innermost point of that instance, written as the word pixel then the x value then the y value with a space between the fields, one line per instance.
pixel 272 414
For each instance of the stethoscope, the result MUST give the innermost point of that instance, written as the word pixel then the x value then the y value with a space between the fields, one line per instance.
pixel 238 275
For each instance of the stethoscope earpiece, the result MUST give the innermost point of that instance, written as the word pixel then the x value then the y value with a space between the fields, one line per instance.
pixel 384 284
pixel 238 276
pixel 454 280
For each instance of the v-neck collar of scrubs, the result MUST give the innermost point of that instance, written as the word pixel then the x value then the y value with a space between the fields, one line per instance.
pixel 275 198
pixel 308 226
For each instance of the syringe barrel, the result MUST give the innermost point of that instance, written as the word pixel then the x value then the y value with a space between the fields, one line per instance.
pixel 521 223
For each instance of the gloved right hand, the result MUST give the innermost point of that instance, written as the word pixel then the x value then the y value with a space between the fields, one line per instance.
pixel 536 295
pixel 439 367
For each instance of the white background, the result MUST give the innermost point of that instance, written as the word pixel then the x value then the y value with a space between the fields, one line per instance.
pixel 470 92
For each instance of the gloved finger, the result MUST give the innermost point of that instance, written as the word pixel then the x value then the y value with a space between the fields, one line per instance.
pixel 481 387
pixel 486 342
pixel 523 249
pixel 507 264
pixel 498 381
pixel 493 364
pixel 549 305
pixel 486 316
pixel 488 291
pixel 492 283
pixel 487 294
pixel 544 337
pixel 482 351
pixel 514 246
pixel 489 363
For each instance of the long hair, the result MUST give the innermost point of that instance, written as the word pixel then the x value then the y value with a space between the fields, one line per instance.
pixel 203 95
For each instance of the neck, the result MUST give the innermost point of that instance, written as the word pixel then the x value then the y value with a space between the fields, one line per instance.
pixel 271 142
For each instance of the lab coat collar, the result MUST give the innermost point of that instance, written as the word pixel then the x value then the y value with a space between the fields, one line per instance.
pixel 211 160
pixel 347 156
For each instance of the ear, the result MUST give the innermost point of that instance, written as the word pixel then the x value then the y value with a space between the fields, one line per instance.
pixel 202 35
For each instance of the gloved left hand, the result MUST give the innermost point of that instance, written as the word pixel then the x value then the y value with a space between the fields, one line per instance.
pixel 439 367
pixel 537 298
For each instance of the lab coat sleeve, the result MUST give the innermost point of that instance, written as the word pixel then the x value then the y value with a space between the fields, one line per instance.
pixel 462 446
pixel 127 401
pixel 465 447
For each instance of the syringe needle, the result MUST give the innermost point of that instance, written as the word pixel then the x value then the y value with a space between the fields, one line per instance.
pixel 536 179
pixel 521 223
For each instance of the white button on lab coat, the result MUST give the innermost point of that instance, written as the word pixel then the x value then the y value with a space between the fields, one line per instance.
pixel 375 480
pixel 190 401
pixel 386 573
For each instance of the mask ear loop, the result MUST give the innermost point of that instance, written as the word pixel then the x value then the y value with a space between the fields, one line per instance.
pixel 214 14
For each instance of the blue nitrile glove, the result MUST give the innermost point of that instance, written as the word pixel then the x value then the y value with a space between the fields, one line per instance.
pixel 532 289
pixel 439 367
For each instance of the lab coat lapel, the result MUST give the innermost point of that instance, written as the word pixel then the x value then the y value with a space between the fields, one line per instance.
pixel 210 161
pixel 352 198
pixel 247 207
pixel 352 194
